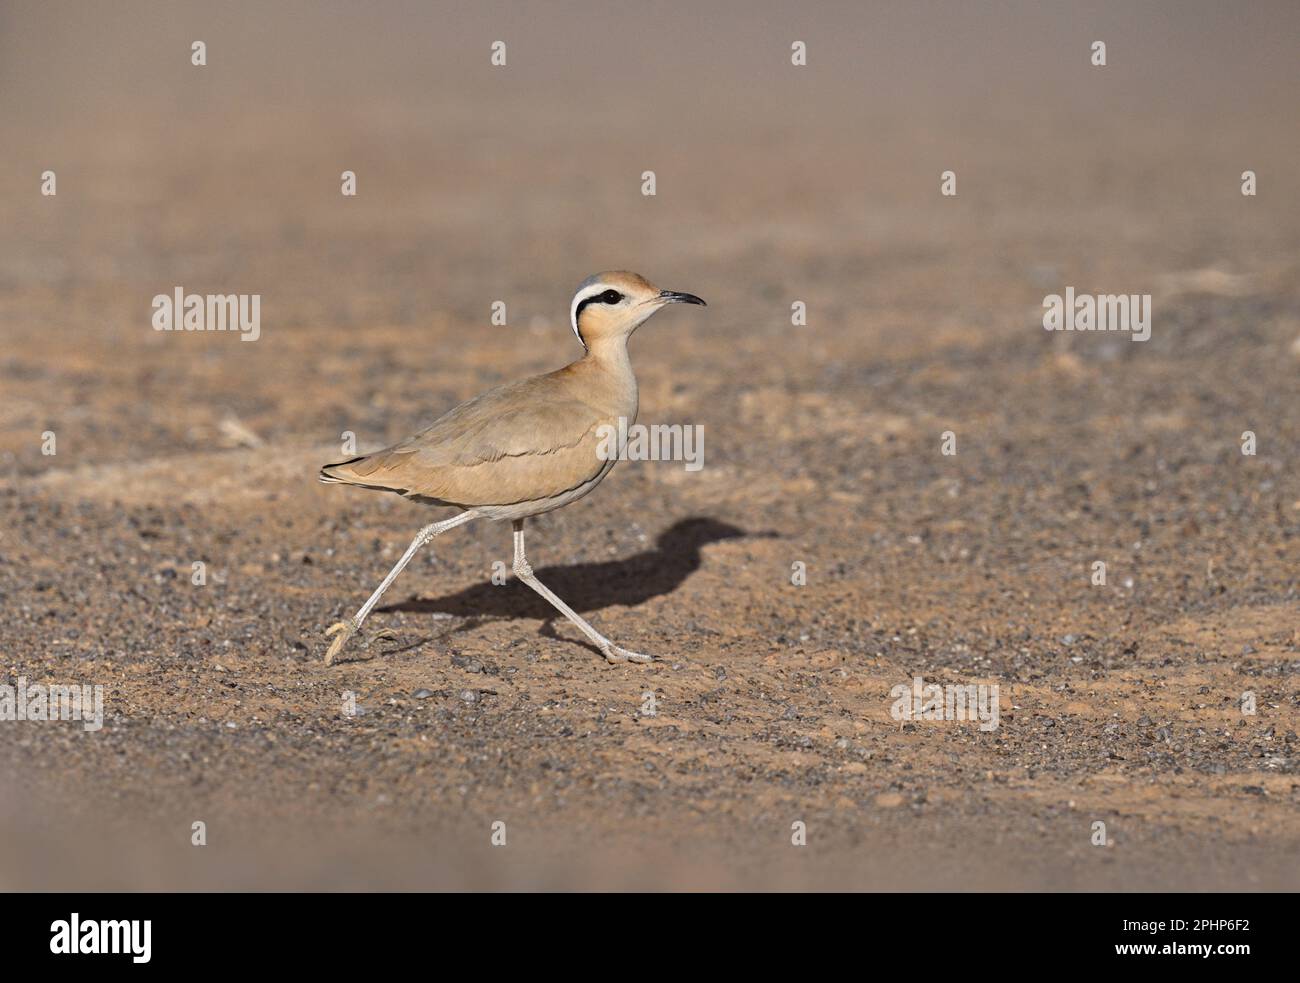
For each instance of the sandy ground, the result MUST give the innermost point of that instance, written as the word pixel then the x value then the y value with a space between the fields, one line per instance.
pixel 1120 703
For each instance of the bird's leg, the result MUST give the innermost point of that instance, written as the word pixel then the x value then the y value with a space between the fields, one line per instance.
pixel 346 629
pixel 524 572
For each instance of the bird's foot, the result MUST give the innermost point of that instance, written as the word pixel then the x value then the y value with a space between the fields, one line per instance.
pixel 615 655
pixel 344 630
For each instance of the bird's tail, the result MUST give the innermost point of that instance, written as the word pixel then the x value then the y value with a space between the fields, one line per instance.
pixel 332 474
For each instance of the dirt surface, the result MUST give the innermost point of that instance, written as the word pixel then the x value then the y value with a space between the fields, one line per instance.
pixel 1120 704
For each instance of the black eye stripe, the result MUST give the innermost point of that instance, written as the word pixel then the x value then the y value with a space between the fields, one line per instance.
pixel 608 297
pixel 582 305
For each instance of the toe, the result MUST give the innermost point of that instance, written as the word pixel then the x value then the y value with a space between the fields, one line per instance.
pixel 343 631
pixel 616 654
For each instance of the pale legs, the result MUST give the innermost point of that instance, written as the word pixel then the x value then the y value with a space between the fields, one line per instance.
pixel 346 629
pixel 524 572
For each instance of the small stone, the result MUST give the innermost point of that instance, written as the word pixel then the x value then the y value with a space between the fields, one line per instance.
pixel 469 695
pixel 422 694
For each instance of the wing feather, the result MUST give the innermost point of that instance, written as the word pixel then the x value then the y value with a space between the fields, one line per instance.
pixel 525 441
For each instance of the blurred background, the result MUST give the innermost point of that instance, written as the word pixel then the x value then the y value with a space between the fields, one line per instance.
pixel 775 183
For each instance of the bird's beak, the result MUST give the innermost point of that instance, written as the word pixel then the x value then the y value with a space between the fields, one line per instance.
pixel 674 297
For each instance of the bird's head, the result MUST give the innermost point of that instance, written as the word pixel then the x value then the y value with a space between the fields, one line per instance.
pixel 612 305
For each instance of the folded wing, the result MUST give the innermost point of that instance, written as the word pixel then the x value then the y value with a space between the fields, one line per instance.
pixel 526 441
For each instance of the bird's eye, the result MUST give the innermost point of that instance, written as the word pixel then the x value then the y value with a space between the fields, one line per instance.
pixel 611 297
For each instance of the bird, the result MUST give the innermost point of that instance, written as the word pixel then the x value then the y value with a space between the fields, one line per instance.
pixel 525 448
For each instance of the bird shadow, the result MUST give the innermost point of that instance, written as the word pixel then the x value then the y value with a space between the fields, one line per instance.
pixel 590 586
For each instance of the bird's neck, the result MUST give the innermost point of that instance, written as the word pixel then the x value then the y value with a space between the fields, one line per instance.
pixel 610 355
pixel 610 369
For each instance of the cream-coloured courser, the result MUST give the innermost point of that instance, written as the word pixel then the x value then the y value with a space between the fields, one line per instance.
pixel 524 448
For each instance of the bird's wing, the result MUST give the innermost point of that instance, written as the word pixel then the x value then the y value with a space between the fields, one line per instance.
pixel 522 442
